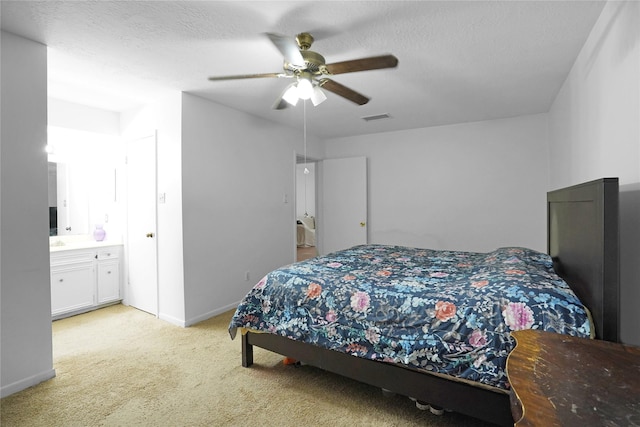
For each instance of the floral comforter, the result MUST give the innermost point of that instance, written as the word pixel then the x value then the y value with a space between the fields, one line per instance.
pixel 449 312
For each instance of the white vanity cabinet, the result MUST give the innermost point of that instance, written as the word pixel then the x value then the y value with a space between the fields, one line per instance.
pixel 108 275
pixel 72 281
pixel 84 279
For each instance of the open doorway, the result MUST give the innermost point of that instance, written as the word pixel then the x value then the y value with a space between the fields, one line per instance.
pixel 305 209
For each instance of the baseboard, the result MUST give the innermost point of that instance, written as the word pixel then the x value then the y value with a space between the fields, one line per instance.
pixel 172 320
pixel 26 383
pixel 211 314
pixel 197 319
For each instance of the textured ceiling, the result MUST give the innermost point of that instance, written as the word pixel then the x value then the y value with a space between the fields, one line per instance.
pixel 458 61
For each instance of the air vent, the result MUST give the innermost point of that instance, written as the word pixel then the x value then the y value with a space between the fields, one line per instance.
pixel 376 117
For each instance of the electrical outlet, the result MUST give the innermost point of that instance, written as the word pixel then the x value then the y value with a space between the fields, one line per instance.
pixel 247 276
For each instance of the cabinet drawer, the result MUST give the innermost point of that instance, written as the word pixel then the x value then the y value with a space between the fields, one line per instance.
pixel 108 253
pixel 72 257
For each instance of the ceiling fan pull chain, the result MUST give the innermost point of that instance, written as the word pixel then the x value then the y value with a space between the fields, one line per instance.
pixel 306 171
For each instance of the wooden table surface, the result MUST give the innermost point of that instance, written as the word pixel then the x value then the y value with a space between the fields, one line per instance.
pixel 559 380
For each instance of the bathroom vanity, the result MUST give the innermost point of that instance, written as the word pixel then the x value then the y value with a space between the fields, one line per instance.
pixel 85 275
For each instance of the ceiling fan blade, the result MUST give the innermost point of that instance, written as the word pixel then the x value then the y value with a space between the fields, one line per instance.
pixel 343 91
pixel 373 63
pixel 247 76
pixel 289 49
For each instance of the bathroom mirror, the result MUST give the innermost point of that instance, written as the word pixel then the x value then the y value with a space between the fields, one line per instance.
pixel 53 199
pixel 69 203
pixel 82 181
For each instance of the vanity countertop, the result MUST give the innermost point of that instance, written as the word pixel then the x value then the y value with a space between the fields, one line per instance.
pixel 67 243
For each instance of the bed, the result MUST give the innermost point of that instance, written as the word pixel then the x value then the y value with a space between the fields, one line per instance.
pixel 434 325
pixel 306 231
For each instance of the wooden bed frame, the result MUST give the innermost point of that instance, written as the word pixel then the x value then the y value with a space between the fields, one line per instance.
pixel 583 242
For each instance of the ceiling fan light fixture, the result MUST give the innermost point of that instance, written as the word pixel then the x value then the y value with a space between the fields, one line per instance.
pixel 305 88
pixel 291 95
pixel 318 96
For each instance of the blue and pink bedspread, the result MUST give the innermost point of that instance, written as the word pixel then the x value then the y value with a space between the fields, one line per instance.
pixel 449 312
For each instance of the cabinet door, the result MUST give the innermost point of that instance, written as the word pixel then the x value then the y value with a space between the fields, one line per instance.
pixel 72 288
pixel 108 281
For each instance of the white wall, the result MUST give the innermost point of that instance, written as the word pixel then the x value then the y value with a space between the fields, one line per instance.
pixel 473 186
pixel 25 310
pixel 82 117
pixel 165 117
pixel 237 170
pixel 595 133
pixel 225 175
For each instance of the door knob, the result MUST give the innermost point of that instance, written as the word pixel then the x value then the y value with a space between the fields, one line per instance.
pixel 149 234
pixel 362 224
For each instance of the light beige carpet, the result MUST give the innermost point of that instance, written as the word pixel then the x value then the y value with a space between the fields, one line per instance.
pixel 122 367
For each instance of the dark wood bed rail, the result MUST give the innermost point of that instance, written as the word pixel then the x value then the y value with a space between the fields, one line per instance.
pixel 486 403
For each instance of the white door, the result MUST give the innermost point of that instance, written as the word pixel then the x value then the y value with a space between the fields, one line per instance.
pixel 344 203
pixel 142 250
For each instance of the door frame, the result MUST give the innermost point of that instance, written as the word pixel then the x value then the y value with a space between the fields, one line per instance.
pixel 298 159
